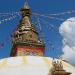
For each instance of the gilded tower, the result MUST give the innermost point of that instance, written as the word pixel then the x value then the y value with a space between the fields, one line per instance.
pixel 25 39
pixel 57 68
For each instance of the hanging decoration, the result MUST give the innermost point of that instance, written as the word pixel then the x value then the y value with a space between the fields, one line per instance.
pixel 56 16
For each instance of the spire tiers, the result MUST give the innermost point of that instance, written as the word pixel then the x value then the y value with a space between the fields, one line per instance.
pixel 25 39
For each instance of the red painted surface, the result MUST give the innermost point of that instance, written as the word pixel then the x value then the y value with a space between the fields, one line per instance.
pixel 30 49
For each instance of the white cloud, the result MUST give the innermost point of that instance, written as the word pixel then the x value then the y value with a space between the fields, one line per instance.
pixel 67 31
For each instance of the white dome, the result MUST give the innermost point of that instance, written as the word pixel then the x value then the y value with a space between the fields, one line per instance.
pixel 29 65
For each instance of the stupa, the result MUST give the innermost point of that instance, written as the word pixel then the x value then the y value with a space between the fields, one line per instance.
pixel 27 54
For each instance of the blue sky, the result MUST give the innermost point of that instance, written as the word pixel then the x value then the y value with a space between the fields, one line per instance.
pixel 38 6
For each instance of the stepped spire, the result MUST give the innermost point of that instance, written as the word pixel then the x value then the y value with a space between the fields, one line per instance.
pixel 25 39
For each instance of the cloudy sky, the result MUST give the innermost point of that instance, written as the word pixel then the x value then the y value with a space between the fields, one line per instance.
pixel 67 31
pixel 57 32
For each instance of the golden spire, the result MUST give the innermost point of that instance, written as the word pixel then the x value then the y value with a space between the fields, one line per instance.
pixel 25 39
pixel 57 68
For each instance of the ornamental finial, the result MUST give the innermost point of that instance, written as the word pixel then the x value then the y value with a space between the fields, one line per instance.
pixel 26 4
